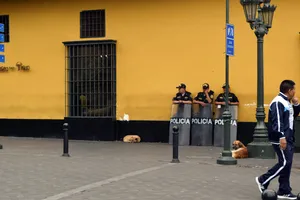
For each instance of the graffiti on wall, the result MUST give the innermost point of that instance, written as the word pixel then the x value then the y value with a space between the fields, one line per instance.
pixel 19 67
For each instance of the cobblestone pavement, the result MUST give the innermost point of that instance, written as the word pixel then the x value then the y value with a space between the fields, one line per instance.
pixel 33 169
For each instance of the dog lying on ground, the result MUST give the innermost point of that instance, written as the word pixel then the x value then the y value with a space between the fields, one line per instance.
pixel 132 139
pixel 239 150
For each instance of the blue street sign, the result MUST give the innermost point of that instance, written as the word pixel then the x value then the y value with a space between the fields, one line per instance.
pixel 1 37
pixel 1 28
pixel 230 39
pixel 230 47
pixel 2 58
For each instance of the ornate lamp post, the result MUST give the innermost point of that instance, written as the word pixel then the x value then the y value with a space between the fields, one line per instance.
pixel 259 14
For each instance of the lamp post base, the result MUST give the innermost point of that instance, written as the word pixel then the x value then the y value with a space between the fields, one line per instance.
pixel 263 150
pixel 226 159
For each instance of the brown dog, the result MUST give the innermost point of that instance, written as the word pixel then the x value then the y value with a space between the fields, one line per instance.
pixel 132 138
pixel 240 150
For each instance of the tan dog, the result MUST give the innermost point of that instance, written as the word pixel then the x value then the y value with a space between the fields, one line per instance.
pixel 132 138
pixel 240 150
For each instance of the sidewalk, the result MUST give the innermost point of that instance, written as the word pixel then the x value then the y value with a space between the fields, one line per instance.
pixel 33 169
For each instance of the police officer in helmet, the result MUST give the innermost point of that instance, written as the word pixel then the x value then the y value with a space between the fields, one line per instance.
pixel 183 96
pixel 232 98
pixel 204 97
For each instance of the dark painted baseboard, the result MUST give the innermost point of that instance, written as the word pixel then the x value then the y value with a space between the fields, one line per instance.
pixel 30 128
pixel 149 131
pixel 158 131
pixel 92 129
pixel 101 129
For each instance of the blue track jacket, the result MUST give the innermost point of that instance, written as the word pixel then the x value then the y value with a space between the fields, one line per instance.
pixel 281 119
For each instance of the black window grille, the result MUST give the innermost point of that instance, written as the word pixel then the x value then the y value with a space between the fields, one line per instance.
pixel 4 19
pixel 92 23
pixel 91 79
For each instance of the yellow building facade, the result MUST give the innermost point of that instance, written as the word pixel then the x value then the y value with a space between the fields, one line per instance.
pixel 160 44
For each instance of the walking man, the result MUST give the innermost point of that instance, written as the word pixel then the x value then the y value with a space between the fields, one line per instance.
pixel 281 135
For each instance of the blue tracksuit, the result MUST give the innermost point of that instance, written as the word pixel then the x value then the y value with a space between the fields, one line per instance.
pixel 281 124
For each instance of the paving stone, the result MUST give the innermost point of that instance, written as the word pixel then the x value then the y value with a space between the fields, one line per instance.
pixel 33 169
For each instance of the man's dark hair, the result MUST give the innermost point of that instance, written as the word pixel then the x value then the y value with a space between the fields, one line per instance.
pixel 286 85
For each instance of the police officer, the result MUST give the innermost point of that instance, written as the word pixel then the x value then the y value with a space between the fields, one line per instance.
pixel 232 99
pixel 182 96
pixel 204 97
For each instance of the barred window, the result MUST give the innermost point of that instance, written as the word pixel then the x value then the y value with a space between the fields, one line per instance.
pixel 92 23
pixel 4 19
pixel 91 79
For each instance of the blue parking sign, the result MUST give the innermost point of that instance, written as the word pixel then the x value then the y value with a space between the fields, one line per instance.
pixel 1 37
pixel 2 58
pixel 230 39
pixel 1 28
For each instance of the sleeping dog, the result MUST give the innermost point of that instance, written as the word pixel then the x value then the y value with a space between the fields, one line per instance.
pixel 239 150
pixel 132 138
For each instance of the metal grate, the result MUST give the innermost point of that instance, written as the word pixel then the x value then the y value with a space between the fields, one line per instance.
pixel 4 19
pixel 91 79
pixel 92 23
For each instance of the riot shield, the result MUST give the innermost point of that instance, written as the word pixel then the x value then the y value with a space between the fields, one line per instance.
pixel 219 125
pixel 181 117
pixel 202 125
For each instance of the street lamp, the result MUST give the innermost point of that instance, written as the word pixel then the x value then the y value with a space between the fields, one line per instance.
pixel 259 14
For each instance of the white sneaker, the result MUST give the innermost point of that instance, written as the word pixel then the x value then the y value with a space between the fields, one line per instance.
pixel 287 196
pixel 260 186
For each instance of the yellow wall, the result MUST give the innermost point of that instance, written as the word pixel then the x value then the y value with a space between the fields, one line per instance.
pixel 160 44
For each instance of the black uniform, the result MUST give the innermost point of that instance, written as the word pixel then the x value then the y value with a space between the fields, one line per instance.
pixel 186 97
pixel 231 97
pixel 202 96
